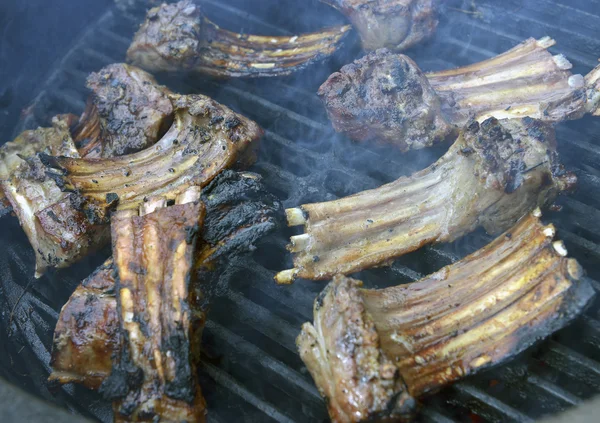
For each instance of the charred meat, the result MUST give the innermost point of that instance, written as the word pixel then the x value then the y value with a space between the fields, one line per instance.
pixel 127 112
pixel 153 374
pixel 204 139
pixel 494 173
pixel 393 24
pixel 239 212
pixel 178 37
pixel 86 333
pixel 371 351
pixel 384 96
pixel 59 232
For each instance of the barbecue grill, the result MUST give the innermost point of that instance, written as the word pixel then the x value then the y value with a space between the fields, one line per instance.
pixel 250 369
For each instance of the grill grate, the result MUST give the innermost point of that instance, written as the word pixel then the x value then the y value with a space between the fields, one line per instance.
pixel 251 367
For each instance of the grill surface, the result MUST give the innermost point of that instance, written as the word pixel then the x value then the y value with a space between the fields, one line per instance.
pixel 251 367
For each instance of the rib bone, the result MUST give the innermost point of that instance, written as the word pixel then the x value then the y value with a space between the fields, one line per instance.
pixel 493 174
pixel 177 37
pixel 239 212
pixel 205 138
pixel 386 97
pixel 476 313
pixel 524 81
pixel 153 375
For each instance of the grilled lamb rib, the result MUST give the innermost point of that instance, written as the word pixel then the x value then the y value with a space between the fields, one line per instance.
pixel 127 112
pixel 205 138
pixel 59 232
pixel 386 97
pixel 371 351
pixel 493 174
pixel 393 24
pixel 239 212
pixel 153 374
pixel 177 37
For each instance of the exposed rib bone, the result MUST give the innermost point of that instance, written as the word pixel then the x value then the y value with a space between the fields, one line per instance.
pixel 204 139
pixel 476 313
pixel 386 97
pixel 177 37
pixel 295 217
pixel 153 375
pixel 524 81
pixel 239 212
pixel 493 174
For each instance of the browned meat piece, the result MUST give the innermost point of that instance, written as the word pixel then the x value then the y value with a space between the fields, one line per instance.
pixel 393 24
pixel 238 213
pixel 127 112
pixel 205 138
pixel 384 96
pixel 154 373
pixel 343 354
pixel 492 175
pixel 86 331
pixel 369 351
pixel 58 231
pixel 177 37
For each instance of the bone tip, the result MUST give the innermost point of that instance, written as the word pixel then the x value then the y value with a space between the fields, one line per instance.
pixel 562 62
pixel 546 42
pixel 295 217
pixel 190 195
pixel 263 65
pixel 574 269
pixel 549 231
pixel 153 204
pixel 560 248
pixel 286 277
pixel 537 212
pixel 300 242
pixel 576 81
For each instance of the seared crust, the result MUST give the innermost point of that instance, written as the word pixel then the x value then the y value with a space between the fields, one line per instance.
pixel 127 112
pixel 385 97
pixel 86 333
pixel 153 374
pixel 393 24
pixel 342 353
